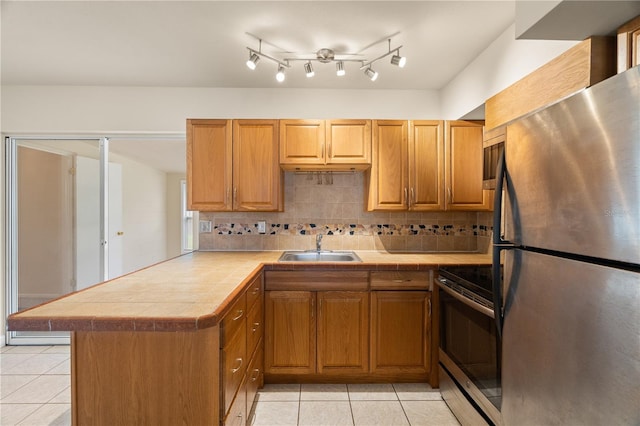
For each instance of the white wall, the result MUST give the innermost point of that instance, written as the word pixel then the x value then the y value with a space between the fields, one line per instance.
pixel 77 109
pixel 174 214
pixel 501 64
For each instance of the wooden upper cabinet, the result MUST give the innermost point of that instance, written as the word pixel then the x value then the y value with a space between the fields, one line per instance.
pixel 629 45
pixel 233 165
pixel 257 178
pixel 209 163
pixel 426 165
pixel 314 144
pixel 348 141
pixel 464 161
pixel 407 171
pixel 343 332
pixel 302 142
pixel 388 177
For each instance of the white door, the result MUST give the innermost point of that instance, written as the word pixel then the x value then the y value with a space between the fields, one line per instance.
pixel 87 210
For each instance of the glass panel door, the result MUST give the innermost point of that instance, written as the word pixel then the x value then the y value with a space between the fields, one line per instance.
pixel 55 247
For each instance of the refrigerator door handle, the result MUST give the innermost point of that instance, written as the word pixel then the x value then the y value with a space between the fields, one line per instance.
pixel 498 244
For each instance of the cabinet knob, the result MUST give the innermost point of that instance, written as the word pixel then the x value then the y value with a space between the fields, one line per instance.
pixel 256 325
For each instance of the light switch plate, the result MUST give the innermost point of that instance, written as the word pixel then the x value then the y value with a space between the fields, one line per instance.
pixel 262 227
pixel 205 226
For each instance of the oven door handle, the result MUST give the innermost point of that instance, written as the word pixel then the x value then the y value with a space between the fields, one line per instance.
pixel 470 303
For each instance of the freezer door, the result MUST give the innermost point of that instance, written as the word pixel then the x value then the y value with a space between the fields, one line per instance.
pixel 574 173
pixel 571 343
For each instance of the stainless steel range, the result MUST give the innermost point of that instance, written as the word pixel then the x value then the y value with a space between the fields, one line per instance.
pixel 470 349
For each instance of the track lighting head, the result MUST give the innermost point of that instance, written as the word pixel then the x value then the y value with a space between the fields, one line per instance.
pixel 280 74
pixel 340 69
pixel 308 69
pixel 373 75
pixel 398 60
pixel 253 60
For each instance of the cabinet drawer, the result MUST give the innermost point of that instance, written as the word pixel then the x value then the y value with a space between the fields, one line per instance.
pixel 234 319
pixel 317 280
pixel 254 291
pixel 255 328
pixel 401 280
pixel 234 364
pixel 237 414
pixel 255 374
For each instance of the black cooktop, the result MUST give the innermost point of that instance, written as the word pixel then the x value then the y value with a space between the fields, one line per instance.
pixel 478 279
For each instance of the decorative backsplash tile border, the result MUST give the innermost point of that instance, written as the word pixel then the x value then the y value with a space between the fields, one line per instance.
pixel 353 229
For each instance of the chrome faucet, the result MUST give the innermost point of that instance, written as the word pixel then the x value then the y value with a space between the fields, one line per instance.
pixel 319 243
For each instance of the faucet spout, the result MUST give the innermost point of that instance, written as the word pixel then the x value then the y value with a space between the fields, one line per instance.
pixel 319 243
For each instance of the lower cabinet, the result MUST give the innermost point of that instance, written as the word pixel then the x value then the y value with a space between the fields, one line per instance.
pixel 381 332
pixel 401 332
pixel 242 355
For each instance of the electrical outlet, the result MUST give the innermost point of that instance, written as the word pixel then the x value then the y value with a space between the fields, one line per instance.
pixel 205 226
pixel 262 227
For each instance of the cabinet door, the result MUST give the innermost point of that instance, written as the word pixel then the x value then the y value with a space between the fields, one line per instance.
pixel 290 335
pixel 464 160
pixel 401 332
pixel 388 186
pixel 426 165
pixel 209 162
pixel 343 331
pixel 629 45
pixel 302 142
pixel 348 141
pixel 257 178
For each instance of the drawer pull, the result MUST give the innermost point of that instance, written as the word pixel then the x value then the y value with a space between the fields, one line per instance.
pixel 402 281
pixel 256 325
pixel 240 314
pixel 255 291
pixel 256 372
pixel 235 370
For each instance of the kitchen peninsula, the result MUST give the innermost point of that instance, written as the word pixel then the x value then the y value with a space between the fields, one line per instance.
pixel 161 345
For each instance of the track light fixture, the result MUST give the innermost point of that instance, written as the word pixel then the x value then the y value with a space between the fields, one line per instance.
pixel 308 69
pixel 325 56
pixel 280 74
pixel 252 63
pixel 373 76
pixel 397 60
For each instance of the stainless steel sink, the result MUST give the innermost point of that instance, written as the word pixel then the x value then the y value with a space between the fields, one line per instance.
pixel 319 256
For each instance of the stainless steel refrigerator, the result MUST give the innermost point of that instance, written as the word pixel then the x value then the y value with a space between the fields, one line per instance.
pixel 570 241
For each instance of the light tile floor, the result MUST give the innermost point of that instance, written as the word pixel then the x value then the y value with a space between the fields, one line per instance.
pixel 35 390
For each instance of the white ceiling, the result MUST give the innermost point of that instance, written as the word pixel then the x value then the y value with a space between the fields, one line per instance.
pixel 203 43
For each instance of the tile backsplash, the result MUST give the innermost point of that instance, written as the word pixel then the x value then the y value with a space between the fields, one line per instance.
pixel 333 205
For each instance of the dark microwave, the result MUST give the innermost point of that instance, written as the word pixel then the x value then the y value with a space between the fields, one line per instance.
pixel 493 147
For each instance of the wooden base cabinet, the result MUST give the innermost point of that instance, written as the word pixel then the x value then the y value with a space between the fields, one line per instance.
pixel 343 332
pixel 290 341
pixel 401 332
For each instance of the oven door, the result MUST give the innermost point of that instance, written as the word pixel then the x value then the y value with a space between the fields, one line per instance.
pixel 470 353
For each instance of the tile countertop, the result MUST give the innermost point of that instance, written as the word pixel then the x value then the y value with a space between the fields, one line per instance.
pixel 192 291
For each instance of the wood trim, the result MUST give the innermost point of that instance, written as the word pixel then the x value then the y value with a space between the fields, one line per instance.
pixel 317 280
pixel 628 45
pixel 584 65
pixel 401 280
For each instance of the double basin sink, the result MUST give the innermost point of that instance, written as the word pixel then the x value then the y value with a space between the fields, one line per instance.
pixel 319 256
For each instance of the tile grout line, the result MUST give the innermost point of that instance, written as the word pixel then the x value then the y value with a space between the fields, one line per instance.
pixel 401 404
